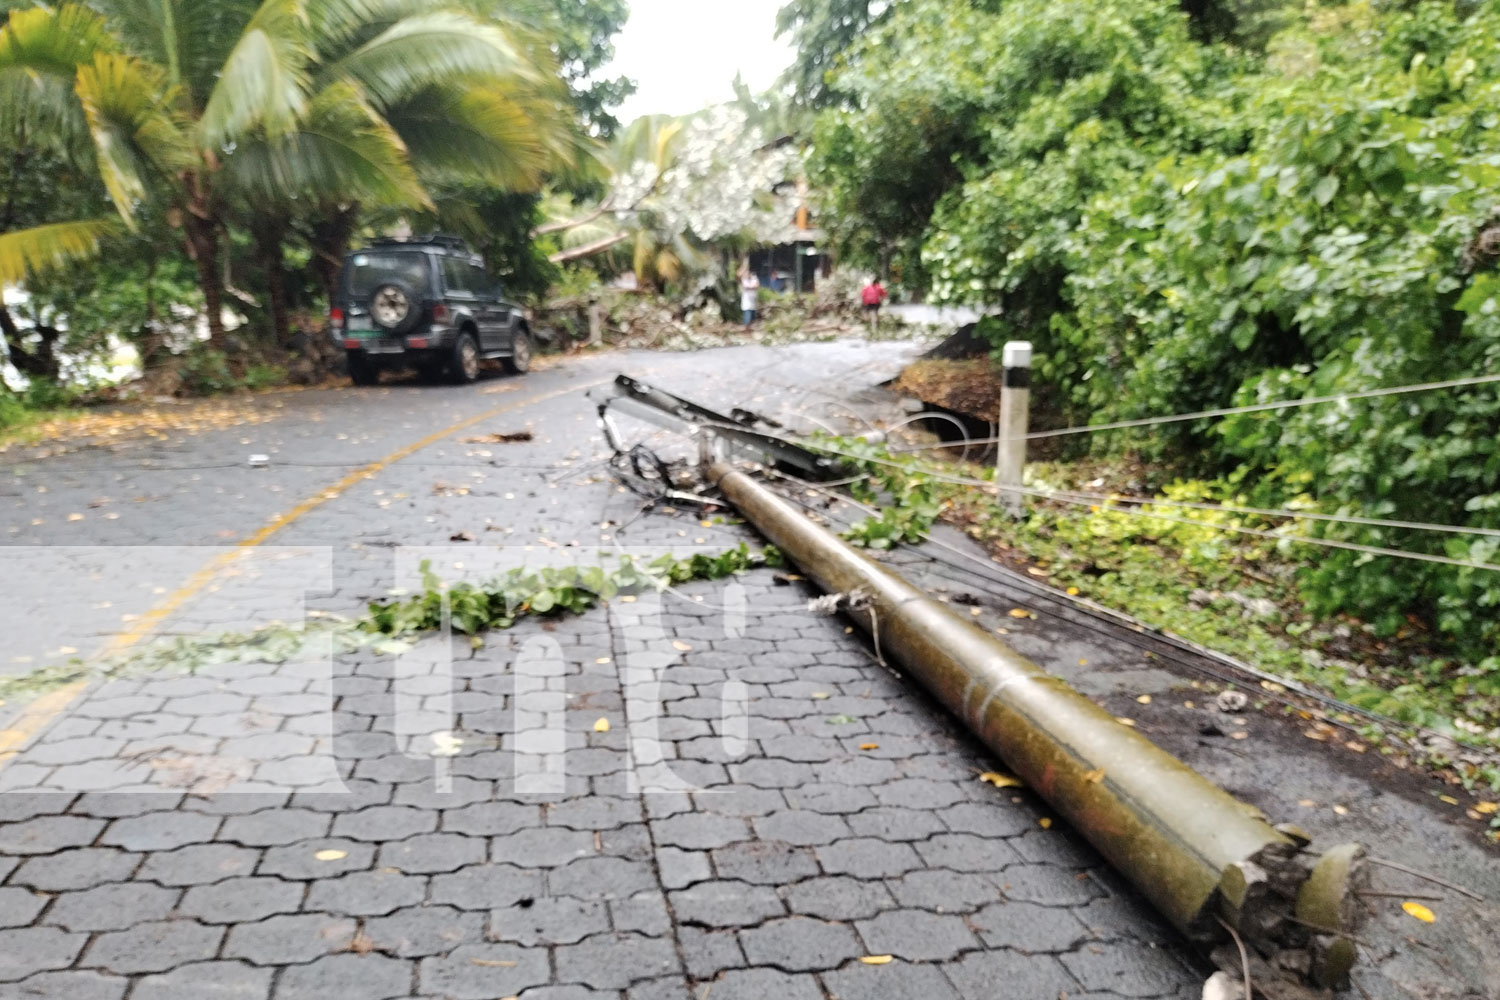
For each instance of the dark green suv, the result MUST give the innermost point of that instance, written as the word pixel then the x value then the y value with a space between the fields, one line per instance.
pixel 425 303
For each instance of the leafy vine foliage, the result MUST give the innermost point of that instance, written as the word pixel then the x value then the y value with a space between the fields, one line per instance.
pixel 500 603
pixel 1212 204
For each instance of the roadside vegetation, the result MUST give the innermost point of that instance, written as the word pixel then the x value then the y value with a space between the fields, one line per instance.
pixel 1203 205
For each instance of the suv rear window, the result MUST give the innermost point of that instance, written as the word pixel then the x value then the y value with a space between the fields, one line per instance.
pixel 368 271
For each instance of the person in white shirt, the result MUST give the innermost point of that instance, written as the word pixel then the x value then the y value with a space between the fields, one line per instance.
pixel 749 295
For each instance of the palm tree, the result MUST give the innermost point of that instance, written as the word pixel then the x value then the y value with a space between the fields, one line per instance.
pixel 40 126
pixel 622 225
pixel 266 108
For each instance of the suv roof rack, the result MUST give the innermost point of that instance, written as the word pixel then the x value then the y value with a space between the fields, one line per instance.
pixel 432 239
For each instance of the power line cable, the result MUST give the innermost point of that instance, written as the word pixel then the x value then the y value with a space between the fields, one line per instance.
pixel 1108 621
pixel 1047 494
pixel 1232 410
pixel 1376 522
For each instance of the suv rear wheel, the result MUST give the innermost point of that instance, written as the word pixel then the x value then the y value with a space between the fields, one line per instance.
pixel 519 362
pixel 463 368
pixel 362 370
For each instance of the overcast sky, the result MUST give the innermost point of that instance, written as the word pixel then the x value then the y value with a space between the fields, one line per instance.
pixel 683 54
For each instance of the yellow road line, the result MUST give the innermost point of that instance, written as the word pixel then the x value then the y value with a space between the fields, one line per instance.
pixel 41 713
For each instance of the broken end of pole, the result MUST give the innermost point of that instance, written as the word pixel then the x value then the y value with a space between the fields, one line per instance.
pixel 1206 860
pixel 1327 910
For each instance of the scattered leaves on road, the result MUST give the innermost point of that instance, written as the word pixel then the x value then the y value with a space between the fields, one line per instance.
pixel 869 746
pixel 149 421
pixel 1001 780
pixel 1094 777
pixel 878 959
pixel 1045 823
pixel 842 720
pixel 500 438
pixel 446 745
pixel 1420 912
pixel 602 726
pixel 331 855
pixel 1021 613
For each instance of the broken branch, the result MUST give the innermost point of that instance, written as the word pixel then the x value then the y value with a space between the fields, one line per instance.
pixel 589 250
pixel 1427 878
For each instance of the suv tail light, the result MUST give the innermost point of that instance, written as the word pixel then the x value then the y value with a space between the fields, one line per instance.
pixel 336 317
pixel 440 313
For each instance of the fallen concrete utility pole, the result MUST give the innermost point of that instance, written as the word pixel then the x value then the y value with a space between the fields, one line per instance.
pixel 1206 860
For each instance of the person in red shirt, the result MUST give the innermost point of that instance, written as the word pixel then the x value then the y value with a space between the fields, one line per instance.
pixel 873 297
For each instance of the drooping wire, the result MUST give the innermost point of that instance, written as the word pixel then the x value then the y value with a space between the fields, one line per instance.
pixel 1229 411
pixel 1047 494
pixel 1303 515
pixel 1093 609
pixel 968 442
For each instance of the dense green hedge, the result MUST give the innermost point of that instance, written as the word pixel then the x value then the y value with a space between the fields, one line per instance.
pixel 1182 225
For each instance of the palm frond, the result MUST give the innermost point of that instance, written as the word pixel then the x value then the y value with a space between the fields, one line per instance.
pixel 342 151
pixel 27 251
pixel 124 100
pixel 650 139
pixel 669 266
pixel 190 39
pixel 53 42
pixel 40 110
pixel 40 50
pixel 337 23
pixel 435 49
pixel 472 134
pixel 265 79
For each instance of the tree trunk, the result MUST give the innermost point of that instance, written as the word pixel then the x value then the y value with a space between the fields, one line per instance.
pixel 33 362
pixel 151 342
pixel 11 335
pixel 203 247
pixel 269 235
pixel 329 242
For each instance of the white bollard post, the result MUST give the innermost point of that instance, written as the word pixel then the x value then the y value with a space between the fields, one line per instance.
pixel 596 324
pixel 1015 421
